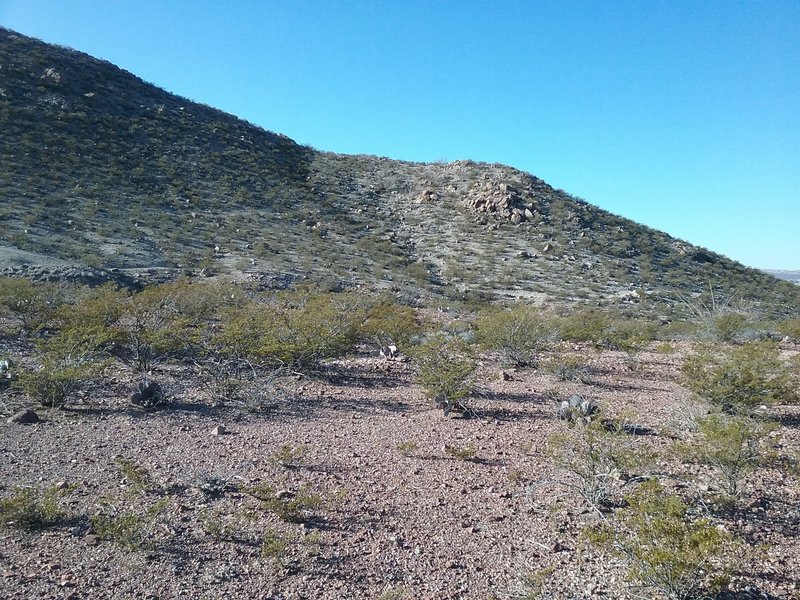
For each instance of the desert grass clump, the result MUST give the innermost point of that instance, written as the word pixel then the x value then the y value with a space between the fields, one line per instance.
pixel 519 333
pixel 32 508
pixel 740 379
pixel 132 520
pixel 290 506
pixel 290 457
pixel 465 453
pixel 667 550
pixel 571 368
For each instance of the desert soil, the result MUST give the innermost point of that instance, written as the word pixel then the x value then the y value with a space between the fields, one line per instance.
pixel 402 517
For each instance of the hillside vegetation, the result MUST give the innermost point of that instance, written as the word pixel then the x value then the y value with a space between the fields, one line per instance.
pixel 100 169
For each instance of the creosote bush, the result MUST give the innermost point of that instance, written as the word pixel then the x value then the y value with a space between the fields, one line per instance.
pixel 519 333
pixel 667 551
pixel 32 304
pixel 32 508
pixel 740 379
pixel 733 445
pixel 445 369
pixel 389 323
pixel 65 363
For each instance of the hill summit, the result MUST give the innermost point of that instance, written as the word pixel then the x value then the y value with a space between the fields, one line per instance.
pixel 100 170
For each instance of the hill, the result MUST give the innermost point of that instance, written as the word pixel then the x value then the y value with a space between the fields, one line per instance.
pixel 100 169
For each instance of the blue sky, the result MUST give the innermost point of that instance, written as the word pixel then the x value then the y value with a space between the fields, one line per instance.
pixel 683 115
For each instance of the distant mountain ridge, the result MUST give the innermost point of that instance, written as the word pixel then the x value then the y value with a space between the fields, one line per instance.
pixel 100 169
pixel 793 276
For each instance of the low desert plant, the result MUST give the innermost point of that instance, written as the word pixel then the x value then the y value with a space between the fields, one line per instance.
pixel 32 508
pixel 740 379
pixel 519 334
pixel 289 506
pixel 407 448
pixel 733 445
pixel 389 323
pixel 132 528
pixel 445 369
pixel 137 476
pixel 33 304
pixel 466 453
pixel 149 395
pixel 571 368
pixel 274 545
pixel 666 550
pixel 290 457
pixel 599 460
pixel 65 364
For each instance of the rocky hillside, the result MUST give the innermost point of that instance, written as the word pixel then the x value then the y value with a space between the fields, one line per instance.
pixel 100 170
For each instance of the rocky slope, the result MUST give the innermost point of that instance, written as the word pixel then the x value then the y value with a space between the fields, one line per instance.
pixel 100 169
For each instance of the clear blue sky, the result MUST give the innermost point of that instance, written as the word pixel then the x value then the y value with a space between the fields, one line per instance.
pixel 684 115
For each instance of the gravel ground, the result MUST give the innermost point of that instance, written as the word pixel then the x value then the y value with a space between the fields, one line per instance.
pixel 398 514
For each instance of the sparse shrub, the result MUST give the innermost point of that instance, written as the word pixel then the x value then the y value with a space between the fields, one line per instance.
pixel 32 508
pixel 728 326
pixel 293 507
pixel 519 333
pixel 274 545
pixel 600 460
pixel 790 328
pixel 665 348
pixel 571 368
pixel 733 445
pixel 583 326
pixel 389 323
pixel 739 379
pixel 65 363
pixel 667 551
pixel 295 329
pixel 445 369
pixel 407 448
pixel 151 328
pixel 131 522
pixel 288 456
pixel 227 526
pixel 212 486
pixel 33 304
pixel 605 330
pixel 466 453
pixel 132 528
pixel 137 476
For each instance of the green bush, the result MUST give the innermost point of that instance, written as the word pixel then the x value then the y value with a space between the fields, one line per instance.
pixel 739 379
pixel 66 362
pixel 32 508
pixel 293 329
pixel 445 370
pixel 33 304
pixel 667 551
pixel 519 333
pixel 389 323
pixel 790 328
pixel 607 331
pixel 733 445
